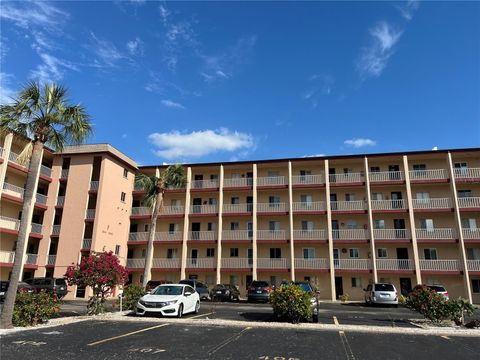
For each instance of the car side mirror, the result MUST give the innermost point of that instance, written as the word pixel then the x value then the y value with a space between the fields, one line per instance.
pixel 188 294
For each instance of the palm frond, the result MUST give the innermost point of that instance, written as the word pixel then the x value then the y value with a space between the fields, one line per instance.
pixel 174 176
pixel 149 185
pixel 24 157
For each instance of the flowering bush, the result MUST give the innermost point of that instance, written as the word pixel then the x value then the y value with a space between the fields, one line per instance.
pixel 428 303
pixel 102 272
pixel 458 308
pixel 291 303
pixel 131 294
pixel 34 308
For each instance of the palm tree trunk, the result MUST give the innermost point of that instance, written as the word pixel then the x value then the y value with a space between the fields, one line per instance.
pixel 22 240
pixel 147 273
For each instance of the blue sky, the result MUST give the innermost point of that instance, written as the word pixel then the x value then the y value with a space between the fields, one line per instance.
pixel 221 81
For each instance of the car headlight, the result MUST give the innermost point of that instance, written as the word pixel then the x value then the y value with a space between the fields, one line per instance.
pixel 227 292
pixel 141 302
pixel 313 300
pixel 170 302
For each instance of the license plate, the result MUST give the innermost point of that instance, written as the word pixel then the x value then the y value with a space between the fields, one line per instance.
pixel 259 291
pixel 219 292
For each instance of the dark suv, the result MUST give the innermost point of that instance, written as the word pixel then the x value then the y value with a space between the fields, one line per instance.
pixel 199 287
pixel 259 291
pixel 22 286
pixel 224 292
pixel 56 285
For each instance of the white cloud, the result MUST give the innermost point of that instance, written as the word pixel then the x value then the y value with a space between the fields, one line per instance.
pixel 177 145
pixel 320 85
pixel 172 104
pixel 360 142
pixel 373 59
pixel 314 155
pixel 135 47
pixel 6 91
pixel 51 69
pixel 408 8
pixel 29 14
pixel 106 52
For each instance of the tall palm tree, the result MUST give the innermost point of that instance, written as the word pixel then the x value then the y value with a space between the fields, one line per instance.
pixel 42 114
pixel 154 187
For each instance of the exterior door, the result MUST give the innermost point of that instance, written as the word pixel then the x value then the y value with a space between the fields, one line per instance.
pixel 405 286
pixel 335 228
pixel 250 230
pixel 333 201
pixel 197 205
pixel 338 286
pixel 336 257
pixel 399 225
pixel 249 178
pixel 249 203
pixel 331 173
pixel 394 172
pixel 194 257
pixel 250 257
pixel 195 231
pixel 396 197
pixel 402 256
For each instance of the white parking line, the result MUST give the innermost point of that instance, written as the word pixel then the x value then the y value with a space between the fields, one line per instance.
pixel 127 334
pixel 228 341
pixel 346 346
pixel 335 321
pixel 197 316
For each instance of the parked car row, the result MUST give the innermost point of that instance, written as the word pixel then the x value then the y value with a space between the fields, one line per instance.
pixel 50 285
pixel 385 293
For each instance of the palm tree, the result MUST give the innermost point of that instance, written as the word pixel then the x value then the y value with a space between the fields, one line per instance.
pixel 154 187
pixel 46 118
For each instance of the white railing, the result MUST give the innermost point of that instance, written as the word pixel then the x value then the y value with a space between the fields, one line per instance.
pixel 385 176
pixel 469 202
pixel 350 234
pixel 348 205
pixel 271 181
pixel 473 265
pixel 201 263
pixel 439 203
pixel 423 175
pixel 352 264
pixel 60 200
pixel 168 236
pixel 141 210
pixel 440 265
pixel 172 210
pixel 271 207
pixel 395 264
pixel 46 171
pixel 271 235
pixel 309 206
pixel 138 236
pixel 204 184
pixel 135 263
pixel 56 229
pixel 467 173
pixel 9 223
pixel 94 185
pixel 310 234
pixel 391 234
pixel 203 235
pixel 446 233
pixel 307 179
pixel 237 208
pixel 36 228
pixel 204 209
pixel 388 204
pixel 311 263
pixel 1 151
pixel 346 178
pixel 237 234
pixel 51 259
pixel 90 214
pixel 13 157
pixel 31 259
pixel 64 174
pixel 86 243
pixel 7 257
pixel 237 263
pixel 41 199
pixel 273 263
pixel 13 190
pixel 237 182
pixel 471 233
pixel 164 263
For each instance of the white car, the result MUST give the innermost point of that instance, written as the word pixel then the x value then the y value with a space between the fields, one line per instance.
pixel 170 300
pixel 381 293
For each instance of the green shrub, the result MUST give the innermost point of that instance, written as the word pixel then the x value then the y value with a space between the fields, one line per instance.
pixel 402 299
pixel 344 297
pixel 34 308
pixel 291 303
pixel 131 294
pixel 458 308
pixel 428 303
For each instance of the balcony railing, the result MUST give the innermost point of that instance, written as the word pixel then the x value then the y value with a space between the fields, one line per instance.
pixel 237 182
pixel 310 234
pixel 385 176
pixel 14 158
pixel 237 263
pixel 204 209
pixel 13 190
pixel 41 199
pixel 237 234
pixel 36 228
pixel 345 178
pixel 471 233
pixel 271 207
pixel 94 185
pixel 391 234
pixel 272 181
pixel 440 265
pixel 237 208
pixel 164 263
pixel 9 223
pixel 473 265
pixel 273 263
pixel 357 205
pixel 446 233
pixel 204 184
pixel 1 152
pixel 271 235
pixel 60 200
pixel 311 263
pixel 439 203
pixel 31 259
pixel 8 257
pixel 469 202
pixel 142 210
pixel 45 171
pixel 203 235
pixel 201 263
pixel 307 180
pixel 64 174
pixel 388 205
pixel 159 236
pixel 350 234
pixel 135 263
pixel 172 210
pixel 90 214
pixel 352 264
pixel 51 259
pixel 309 206
pixel 427 175
pixel 56 229
pixel 395 264
pixel 467 173
pixel 87 244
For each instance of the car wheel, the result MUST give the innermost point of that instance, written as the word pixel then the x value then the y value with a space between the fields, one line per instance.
pixel 180 311
pixel 315 318
pixel 197 307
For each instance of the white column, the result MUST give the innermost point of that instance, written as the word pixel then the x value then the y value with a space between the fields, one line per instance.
pixel 458 223
pixel 186 224
pixel 220 227
pixel 254 221
pixel 329 229
pixel 7 147
pixel 290 218
pixel 370 223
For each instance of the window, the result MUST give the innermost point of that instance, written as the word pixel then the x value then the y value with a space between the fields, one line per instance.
pixel 469 224
pixel 379 224
pixel 210 252
pixel 430 254
pixel 274 201
pixel 306 199
pixel 233 252
pixel 172 228
pixel 426 224
pixel 354 252
pixel 175 203
pixel 381 253
pixel 356 282
pixel 349 197
pixel 375 169
pixel 234 226
pixel 476 286
pixel 304 174
pixel 122 196
pixel 274 225
pixel 125 173
pixel 473 253
pixel 212 201
pixel 172 253
pixel 351 224
pixel 146 227
pixel 272 173
pixel 464 193
pixel 211 226
pixel 235 200
pixel 423 197
pixel 144 251
pixel 307 225
pixel 377 196
pixel 347 171
pixel 117 250
pixel 308 253
pixel 275 253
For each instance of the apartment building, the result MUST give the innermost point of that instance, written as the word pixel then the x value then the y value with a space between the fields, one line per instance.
pixel 339 222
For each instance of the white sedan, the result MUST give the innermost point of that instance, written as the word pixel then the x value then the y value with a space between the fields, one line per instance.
pixel 170 300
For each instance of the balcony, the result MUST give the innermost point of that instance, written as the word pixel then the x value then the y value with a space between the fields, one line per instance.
pixel 9 223
pixel 436 234
pixel 203 209
pixel 87 244
pixel 238 183
pixel 60 200
pixel 36 228
pixel 467 174
pixel 469 203
pixel 440 265
pixel 386 177
pixel 41 199
pixel 432 204
pixel 45 171
pixel 348 206
pixel 237 208
pixel 141 211
pixel 307 180
pixel 13 157
pixel 56 230
pixel 311 264
pixel 164 263
pixel 473 265
pixel 51 260
pixel 395 265
pixel 204 184
pixel 423 176
pixel 391 234
pixel 471 233
pixel 351 264
pixel 232 235
pixel 135 263
pixel 237 263
pixel 271 235
pixel 8 257
pixel 13 190
pixel 310 235
pixel 350 234
pixel 64 174
pixel 94 185
pixel 90 215
pixel 159 236
pixel 272 181
pixel 268 208
pixel 389 205
pixel 273 263
pixel 172 210
pixel 202 235
pixel 201 263
pixel 309 207
pixel 346 179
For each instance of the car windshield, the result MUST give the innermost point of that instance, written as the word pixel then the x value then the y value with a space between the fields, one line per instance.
pixel 61 282
pixel 384 287
pixel 259 284
pixel 168 290
pixel 437 288
pixel 218 287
